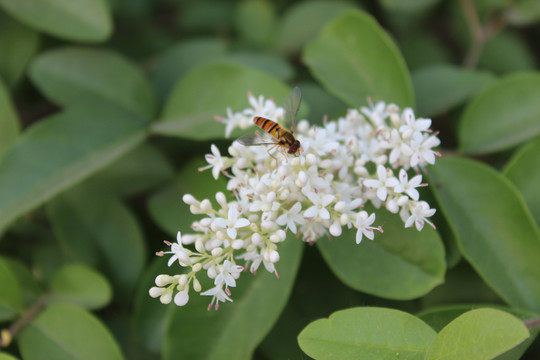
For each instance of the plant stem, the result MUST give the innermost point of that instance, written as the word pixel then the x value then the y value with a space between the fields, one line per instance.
pixel 9 334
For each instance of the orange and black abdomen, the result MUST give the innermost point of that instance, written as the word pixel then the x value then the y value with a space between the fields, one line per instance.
pixel 268 125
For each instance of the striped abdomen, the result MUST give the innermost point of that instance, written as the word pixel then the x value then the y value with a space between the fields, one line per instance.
pixel 269 126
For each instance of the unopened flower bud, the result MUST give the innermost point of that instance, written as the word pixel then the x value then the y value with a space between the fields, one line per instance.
pixel 237 244
pixel 274 257
pixel 156 291
pixel 217 252
pixel 196 285
pixel 189 199
pixel 206 205
pixel 221 199
pixel 197 267
pixel 164 280
pixel 335 229
pixel 166 297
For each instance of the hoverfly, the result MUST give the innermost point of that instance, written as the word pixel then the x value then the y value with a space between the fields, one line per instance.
pixel 280 138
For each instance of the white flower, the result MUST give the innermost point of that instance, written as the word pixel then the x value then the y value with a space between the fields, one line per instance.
pixel 414 127
pixel 232 222
pixel 179 252
pixel 422 152
pixel 363 222
pixel 228 274
pixel 408 186
pixel 419 214
pixel 291 217
pixel 383 183
pixel 319 205
pixel 215 160
pixel 218 294
pixel 182 297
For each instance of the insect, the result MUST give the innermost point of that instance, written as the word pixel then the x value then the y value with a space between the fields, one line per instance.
pixel 275 135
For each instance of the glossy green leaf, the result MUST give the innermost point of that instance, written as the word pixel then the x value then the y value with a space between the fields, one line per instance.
pixel 367 333
pixel 18 44
pixel 206 16
pixel 321 103
pixel 65 332
pixel 139 170
pixel 9 122
pixel 355 59
pixel 438 318
pixel 80 285
pixel 95 227
pixel 85 76
pixel 10 293
pixel 478 334
pixel 524 172
pixel 506 53
pixel 77 20
pixel 503 115
pixel 303 21
pixel 398 264
pixel 166 206
pixel 173 64
pixel 440 88
pixel 208 91
pixel 255 22
pixel 496 233
pixel 60 151
pixel 194 332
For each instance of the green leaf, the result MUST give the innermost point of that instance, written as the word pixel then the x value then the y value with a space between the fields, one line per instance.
pixel 355 59
pixel 459 84
pixel 85 76
pixel 95 227
pixel 524 172
pixel 60 151
pixel 139 170
pixel 438 318
pixel 506 53
pixel 194 332
pixel 4 356
pixel 80 285
pixel 478 334
pixel 208 91
pixel 10 293
pixel 28 284
pixel 367 333
pixel 9 122
pixel 271 64
pixel 497 234
pixel 304 20
pixel 18 44
pixel 166 206
pixel 422 49
pixel 182 57
pixel 65 332
pixel 503 115
pixel 76 20
pixel 399 264
pixel 255 22
pixel 321 103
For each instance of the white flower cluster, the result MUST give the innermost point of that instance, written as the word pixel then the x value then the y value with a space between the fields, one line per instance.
pixel 343 165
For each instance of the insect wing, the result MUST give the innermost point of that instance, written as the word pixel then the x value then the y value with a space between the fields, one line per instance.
pixel 292 104
pixel 256 138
